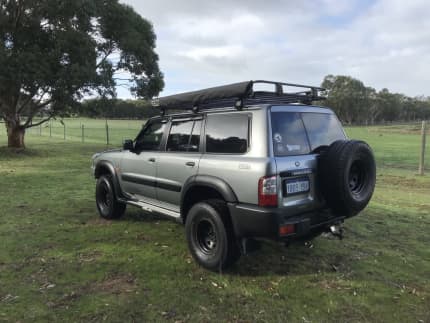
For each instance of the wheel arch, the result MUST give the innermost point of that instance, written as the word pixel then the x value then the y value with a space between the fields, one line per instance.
pixel 202 187
pixel 105 167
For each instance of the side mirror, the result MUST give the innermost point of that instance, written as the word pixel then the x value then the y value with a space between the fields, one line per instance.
pixel 128 144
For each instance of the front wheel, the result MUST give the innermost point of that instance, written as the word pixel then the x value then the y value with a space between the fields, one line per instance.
pixel 107 205
pixel 210 236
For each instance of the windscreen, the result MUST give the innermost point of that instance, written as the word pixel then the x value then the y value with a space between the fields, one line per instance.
pixel 300 133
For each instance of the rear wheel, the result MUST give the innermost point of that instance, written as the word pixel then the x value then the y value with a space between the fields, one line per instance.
pixel 210 236
pixel 107 205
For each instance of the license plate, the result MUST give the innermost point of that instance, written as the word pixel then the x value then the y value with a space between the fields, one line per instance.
pixel 296 185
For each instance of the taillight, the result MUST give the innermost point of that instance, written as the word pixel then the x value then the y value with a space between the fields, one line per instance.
pixel 286 229
pixel 267 191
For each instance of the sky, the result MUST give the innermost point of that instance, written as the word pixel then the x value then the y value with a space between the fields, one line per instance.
pixel 384 43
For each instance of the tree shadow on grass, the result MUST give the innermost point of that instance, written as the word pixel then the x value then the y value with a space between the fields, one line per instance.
pixel 265 257
pixel 19 153
pixel 299 258
pixel 137 215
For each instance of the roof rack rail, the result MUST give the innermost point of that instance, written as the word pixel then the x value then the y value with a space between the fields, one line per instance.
pixel 240 95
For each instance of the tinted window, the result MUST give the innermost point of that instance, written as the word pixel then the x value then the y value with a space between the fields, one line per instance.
pixel 150 137
pixel 322 129
pixel 184 136
pixel 295 133
pixel 288 134
pixel 227 133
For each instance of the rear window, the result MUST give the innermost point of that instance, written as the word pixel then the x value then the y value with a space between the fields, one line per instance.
pixel 227 134
pixel 299 133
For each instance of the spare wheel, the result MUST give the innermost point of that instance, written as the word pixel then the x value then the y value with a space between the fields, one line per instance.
pixel 347 176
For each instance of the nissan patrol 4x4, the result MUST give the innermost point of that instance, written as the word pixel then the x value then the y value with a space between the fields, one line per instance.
pixel 246 160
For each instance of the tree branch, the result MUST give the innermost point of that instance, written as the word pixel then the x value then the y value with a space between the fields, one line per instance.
pixel 107 53
pixel 38 123
pixel 21 108
pixel 41 105
pixel 17 98
pixel 33 113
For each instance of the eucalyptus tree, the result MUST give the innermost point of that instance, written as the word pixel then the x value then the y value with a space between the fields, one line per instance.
pixel 55 52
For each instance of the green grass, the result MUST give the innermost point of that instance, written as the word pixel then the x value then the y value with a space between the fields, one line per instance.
pixel 60 262
pixel 94 130
pixel 397 146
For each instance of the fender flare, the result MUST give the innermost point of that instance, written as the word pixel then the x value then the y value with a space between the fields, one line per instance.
pixel 104 164
pixel 213 182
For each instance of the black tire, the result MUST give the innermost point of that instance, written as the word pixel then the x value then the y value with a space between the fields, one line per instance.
pixel 210 235
pixel 347 173
pixel 107 204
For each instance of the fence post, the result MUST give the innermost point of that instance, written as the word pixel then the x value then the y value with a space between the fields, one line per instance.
pixel 40 130
pixel 107 133
pixel 64 126
pixel 50 129
pixel 423 148
pixel 83 133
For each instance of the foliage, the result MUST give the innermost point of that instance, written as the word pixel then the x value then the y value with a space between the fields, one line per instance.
pixel 54 52
pixel 116 109
pixel 356 103
pixel 351 99
pixel 60 262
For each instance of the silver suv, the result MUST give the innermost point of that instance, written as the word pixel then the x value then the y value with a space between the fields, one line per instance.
pixel 247 160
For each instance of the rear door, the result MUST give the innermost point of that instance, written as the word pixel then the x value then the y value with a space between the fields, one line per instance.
pixel 179 160
pixel 297 134
pixel 138 167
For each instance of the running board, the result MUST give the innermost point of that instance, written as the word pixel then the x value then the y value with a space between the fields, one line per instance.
pixel 153 208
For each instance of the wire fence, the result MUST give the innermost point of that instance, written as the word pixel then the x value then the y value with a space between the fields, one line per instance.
pixel 109 132
pixel 397 145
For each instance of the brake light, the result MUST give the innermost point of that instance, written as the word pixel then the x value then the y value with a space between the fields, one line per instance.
pixel 267 191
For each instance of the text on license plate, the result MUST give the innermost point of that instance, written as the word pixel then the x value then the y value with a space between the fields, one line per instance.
pixel 297 185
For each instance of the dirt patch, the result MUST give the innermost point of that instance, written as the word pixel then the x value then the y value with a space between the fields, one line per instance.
pixel 98 222
pixel 393 180
pixel 332 284
pixel 90 256
pixel 116 284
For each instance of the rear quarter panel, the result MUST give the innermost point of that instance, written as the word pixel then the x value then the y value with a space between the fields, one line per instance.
pixel 242 171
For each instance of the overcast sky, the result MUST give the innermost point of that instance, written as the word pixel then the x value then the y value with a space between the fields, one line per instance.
pixel 384 43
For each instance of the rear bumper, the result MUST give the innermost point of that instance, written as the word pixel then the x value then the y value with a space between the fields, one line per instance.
pixel 253 221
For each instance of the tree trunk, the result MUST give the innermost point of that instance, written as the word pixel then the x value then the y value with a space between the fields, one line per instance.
pixel 15 136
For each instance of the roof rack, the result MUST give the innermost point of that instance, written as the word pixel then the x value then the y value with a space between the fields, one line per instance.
pixel 239 95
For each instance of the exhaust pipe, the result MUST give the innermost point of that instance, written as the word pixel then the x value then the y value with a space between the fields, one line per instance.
pixel 337 231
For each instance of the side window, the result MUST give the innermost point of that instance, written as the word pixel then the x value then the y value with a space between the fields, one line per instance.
pixel 227 134
pixel 184 136
pixel 150 138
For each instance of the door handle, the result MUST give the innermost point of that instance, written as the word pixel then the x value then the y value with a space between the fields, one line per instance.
pixel 190 164
pixel 152 160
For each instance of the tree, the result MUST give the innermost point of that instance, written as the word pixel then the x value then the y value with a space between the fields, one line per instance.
pixel 390 105
pixel 55 52
pixel 116 109
pixel 348 97
pixel 355 103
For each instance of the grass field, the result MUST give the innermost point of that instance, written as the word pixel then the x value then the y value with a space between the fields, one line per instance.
pixel 60 262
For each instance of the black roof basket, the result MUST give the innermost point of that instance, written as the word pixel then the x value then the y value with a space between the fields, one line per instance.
pixel 240 95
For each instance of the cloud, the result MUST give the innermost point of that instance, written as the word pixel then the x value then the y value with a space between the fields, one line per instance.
pixel 385 43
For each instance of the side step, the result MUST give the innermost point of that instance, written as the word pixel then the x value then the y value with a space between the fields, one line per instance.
pixel 157 209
